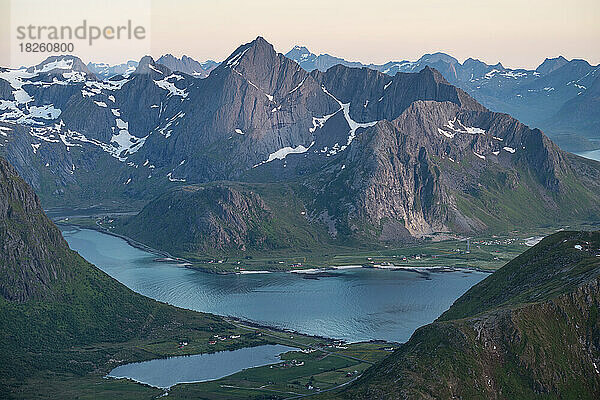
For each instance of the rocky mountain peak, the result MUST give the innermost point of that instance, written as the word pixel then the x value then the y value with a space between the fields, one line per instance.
pixel 437 57
pixel 187 65
pixel 107 71
pixel 433 73
pixel 260 66
pixel 147 66
pixel 255 53
pixel 299 53
pixel 58 65
pixel 551 64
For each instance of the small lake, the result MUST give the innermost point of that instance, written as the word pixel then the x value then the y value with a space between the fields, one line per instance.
pixel 356 305
pixel 167 372
pixel 594 154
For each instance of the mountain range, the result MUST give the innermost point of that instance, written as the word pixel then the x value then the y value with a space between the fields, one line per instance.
pixel 528 330
pixel 188 65
pixel 184 64
pixel 367 156
pixel 539 97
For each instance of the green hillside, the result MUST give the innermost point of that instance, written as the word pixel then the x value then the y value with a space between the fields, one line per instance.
pixel 530 330
pixel 225 218
pixel 64 320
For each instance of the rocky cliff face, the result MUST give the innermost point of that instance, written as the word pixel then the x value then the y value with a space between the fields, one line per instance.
pixel 188 65
pixel 33 252
pixel 417 170
pixel 531 329
pixel 532 96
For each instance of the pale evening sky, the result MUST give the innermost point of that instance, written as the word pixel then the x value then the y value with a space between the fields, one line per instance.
pixel 515 32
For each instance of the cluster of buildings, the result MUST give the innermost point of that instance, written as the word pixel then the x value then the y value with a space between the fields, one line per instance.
pixel 219 338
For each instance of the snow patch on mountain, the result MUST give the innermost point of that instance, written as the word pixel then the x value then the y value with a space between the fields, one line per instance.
pixel 478 155
pixel 270 97
pixel 319 122
pixel 93 88
pixel 169 86
pixel 454 126
pixel 166 130
pixel 298 87
pixel 63 63
pixel 17 78
pixel 351 123
pixel 446 133
pixel 235 59
pixel 4 130
pixel 125 144
pixel 284 152
pixel 153 68
pixel 47 112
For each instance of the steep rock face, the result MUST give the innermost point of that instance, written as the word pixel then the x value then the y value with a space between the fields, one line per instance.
pixel 187 65
pixel 418 168
pixel 531 96
pixel 255 103
pixel 32 252
pixel 375 96
pixel 551 64
pixel 385 157
pixel 6 91
pixel 388 155
pixel 508 337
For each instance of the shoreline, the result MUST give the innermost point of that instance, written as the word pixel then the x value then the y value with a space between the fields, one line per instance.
pixel 258 325
pixel 167 257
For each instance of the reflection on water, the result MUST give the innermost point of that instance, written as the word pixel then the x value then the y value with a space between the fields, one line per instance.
pixel 166 372
pixel 359 304
pixel 594 154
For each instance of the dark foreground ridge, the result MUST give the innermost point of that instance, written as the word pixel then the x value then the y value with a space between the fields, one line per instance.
pixel 61 317
pixel 530 330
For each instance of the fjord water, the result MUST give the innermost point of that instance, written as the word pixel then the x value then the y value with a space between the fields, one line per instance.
pixel 167 372
pixel 593 155
pixel 359 304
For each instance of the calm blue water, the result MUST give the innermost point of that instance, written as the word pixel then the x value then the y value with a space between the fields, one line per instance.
pixel 166 372
pixel 594 154
pixel 360 304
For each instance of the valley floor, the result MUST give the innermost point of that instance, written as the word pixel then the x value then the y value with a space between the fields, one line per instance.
pixel 481 252
pixel 322 365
